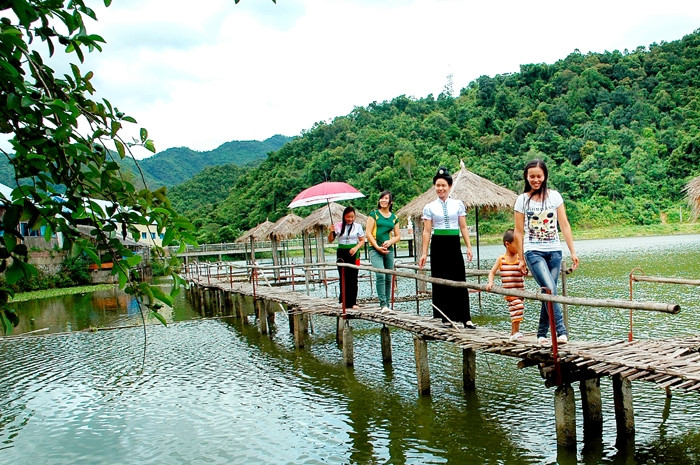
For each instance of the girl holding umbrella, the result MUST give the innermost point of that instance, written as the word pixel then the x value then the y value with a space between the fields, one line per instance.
pixel 351 238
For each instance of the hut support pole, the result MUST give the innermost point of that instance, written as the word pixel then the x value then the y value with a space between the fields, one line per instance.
pixel 320 251
pixel 418 237
pixel 348 347
pixel 275 258
pixel 592 408
pixel 386 345
pixel 478 257
pixel 565 415
pixel 624 412
pixel 308 257
pixel 420 347
pixel 469 369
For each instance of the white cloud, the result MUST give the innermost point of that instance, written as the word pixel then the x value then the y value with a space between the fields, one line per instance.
pixel 203 75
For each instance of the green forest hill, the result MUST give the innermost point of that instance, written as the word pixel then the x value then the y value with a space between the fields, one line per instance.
pixel 619 131
pixel 180 164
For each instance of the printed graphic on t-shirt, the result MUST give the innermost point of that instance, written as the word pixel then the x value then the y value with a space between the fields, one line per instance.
pixel 541 226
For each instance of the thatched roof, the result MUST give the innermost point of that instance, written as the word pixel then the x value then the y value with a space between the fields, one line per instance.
pixel 692 192
pixel 468 187
pixel 261 231
pixel 321 217
pixel 285 227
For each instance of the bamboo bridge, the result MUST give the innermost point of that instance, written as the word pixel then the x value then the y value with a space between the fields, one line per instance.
pixel 671 363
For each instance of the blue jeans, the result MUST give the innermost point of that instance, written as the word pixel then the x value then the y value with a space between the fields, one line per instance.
pixel 383 285
pixel 545 268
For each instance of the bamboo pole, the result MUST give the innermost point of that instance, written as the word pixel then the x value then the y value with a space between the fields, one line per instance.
pixel 614 303
pixel 657 279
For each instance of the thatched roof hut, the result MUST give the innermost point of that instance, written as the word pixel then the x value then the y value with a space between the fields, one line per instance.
pixel 285 227
pixel 260 231
pixel 321 217
pixel 692 192
pixel 470 188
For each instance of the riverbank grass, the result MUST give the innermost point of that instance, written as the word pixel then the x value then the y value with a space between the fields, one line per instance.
pixel 57 292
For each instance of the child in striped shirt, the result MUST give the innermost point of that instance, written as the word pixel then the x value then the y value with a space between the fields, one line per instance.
pixel 511 278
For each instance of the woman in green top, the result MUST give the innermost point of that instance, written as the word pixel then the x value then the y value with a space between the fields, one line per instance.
pixel 382 233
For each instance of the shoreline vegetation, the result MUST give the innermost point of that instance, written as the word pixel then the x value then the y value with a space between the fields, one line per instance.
pixel 59 291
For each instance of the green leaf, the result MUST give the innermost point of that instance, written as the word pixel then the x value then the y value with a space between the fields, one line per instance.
pixel 92 255
pixel 168 237
pixel 133 260
pixel 120 149
pixel 159 317
pixel 144 134
pixel 6 324
pixel 14 273
pixel 162 296
pixel 123 278
pixel 150 146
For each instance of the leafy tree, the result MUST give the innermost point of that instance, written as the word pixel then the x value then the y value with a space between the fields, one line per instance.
pixel 66 146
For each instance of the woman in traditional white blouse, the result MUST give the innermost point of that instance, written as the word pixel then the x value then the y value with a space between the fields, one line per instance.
pixel 445 218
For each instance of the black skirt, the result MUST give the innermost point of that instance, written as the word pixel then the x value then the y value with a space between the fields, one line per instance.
pixel 447 262
pixel 350 275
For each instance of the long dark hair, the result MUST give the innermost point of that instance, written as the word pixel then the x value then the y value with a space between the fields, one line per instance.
pixel 342 228
pixel 391 199
pixel 542 191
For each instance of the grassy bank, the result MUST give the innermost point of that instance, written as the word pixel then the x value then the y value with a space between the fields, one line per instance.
pixel 24 296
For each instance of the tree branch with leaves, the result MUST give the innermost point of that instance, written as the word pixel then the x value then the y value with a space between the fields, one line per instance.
pixel 64 148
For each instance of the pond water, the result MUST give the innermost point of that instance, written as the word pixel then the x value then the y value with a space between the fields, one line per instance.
pixel 217 392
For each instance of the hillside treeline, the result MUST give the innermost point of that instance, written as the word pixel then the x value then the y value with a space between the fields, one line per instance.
pixel 619 131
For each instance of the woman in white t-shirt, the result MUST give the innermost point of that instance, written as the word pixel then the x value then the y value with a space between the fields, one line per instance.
pixel 351 238
pixel 537 212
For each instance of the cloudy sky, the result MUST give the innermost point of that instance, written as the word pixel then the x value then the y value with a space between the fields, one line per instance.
pixel 199 74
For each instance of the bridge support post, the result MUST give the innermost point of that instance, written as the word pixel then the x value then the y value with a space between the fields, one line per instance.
pixel 624 412
pixel 339 326
pixel 206 306
pixel 592 408
pixel 348 345
pixel 300 329
pixel 261 312
pixel 229 303
pixel 469 369
pixel 565 415
pixel 420 347
pixel 240 308
pixel 270 316
pixel 219 302
pixel 386 345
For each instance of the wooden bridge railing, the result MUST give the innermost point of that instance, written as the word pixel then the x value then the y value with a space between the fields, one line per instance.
pixel 562 299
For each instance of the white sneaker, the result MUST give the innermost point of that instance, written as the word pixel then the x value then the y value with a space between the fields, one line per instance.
pixel 542 341
pixel 386 310
pixel 517 336
pixel 563 339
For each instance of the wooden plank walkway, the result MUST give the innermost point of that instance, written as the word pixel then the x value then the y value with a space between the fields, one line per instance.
pixel 672 363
